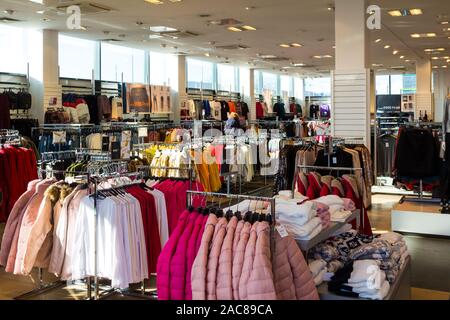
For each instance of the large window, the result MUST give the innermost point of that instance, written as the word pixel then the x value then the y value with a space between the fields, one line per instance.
pixel 227 78
pixel 299 92
pixel 14 49
pixel 76 57
pixel 315 87
pixel 163 69
pixel 270 82
pixel 286 85
pixel 382 85
pixel 118 61
pixel 200 74
pixel 396 84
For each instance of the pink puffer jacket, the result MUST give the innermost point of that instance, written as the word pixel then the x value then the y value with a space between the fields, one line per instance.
pixel 15 217
pixel 249 257
pixel 178 262
pixel 199 271
pixel 237 236
pixel 260 286
pixel 213 259
pixel 192 253
pixel 224 286
pixel 163 267
pixel 292 277
pixel 238 256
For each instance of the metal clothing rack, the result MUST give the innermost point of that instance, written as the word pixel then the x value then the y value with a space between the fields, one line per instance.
pixel 335 169
pixel 41 287
pixel 96 180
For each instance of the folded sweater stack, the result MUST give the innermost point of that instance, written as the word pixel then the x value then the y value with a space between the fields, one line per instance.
pixel 360 279
pixel 318 270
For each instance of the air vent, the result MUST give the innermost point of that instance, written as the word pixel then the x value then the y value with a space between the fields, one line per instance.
pixel 8 20
pixel 111 40
pixel 276 59
pixel 399 68
pixel 204 15
pixel 177 34
pixel 87 8
pixel 232 47
pixel 180 53
pixel 225 22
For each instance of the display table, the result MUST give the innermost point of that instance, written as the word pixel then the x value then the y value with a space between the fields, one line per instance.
pixel 306 245
pixel 400 289
pixel 420 218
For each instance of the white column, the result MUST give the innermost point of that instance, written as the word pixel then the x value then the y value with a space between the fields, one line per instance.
pixel 44 71
pixel 351 78
pixel 424 96
pixel 441 91
pixel 252 106
pixel 182 83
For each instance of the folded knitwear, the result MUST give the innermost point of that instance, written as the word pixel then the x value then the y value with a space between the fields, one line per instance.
pixel 391 237
pixel 340 216
pixel 380 295
pixel 364 284
pixel 333 200
pixel 302 230
pixel 364 270
pixel 289 213
pixel 378 249
pixel 318 280
pixel 312 235
pixel 317 266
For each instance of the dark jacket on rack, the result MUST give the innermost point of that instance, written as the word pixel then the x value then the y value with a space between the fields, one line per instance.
pixel 4 112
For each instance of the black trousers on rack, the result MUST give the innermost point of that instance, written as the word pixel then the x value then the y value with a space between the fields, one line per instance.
pixel 445 171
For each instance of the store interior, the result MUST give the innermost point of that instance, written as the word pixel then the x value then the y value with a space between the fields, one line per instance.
pixel 184 150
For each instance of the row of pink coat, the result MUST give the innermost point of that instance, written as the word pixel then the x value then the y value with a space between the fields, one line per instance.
pixel 175 262
pixel 235 262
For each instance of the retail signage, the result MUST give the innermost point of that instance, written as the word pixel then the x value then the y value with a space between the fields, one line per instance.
pixel 389 103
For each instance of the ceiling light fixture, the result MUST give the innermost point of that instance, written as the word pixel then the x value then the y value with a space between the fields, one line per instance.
pixel 249 28
pixel 207 54
pixel 395 13
pixel 323 56
pixel 402 57
pixel 444 22
pixel 423 35
pixel 296 45
pixel 387 46
pixel 378 40
pixel 394 52
pixel 235 29
pixel 283 45
pixel 40 12
pixel 154 1
pixel 416 12
pixel 162 29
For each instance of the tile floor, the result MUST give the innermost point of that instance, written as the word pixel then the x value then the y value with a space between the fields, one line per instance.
pixel 430 268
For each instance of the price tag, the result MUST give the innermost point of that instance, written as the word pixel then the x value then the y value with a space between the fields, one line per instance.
pixel 282 231
pixel 142 132
pixel 334 160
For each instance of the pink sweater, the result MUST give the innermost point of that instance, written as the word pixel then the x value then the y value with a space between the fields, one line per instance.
pixel 238 257
pixel 249 257
pixel 213 259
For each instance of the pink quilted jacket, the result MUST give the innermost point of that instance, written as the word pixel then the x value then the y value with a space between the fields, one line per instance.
pixel 238 256
pixel 178 261
pixel 224 286
pixel 213 259
pixel 260 286
pixel 164 277
pixel 199 271
pixel 237 236
pixel 14 219
pixel 192 253
pixel 249 257
pixel 292 277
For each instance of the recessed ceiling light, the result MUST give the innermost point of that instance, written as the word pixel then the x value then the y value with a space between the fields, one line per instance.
pixel 330 7
pixel 40 12
pixel 444 22
pixel 395 13
pixel 298 64
pixel 378 40
pixel 249 28
pixel 334 47
pixel 154 1
pixel 445 67
pixel 435 67
pixel 235 29
pixel 446 29
pixel 394 52
pixel 155 36
pixel 402 57
pixel 162 29
pixel 407 60
pixel 323 56
pixel 435 58
pixel 416 12
pixel 434 50
pixel 283 45
pixel 296 45
pixel 423 35
pixel 387 46
pixel 377 65
pixel 207 54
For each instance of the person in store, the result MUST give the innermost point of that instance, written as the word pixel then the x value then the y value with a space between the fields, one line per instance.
pixel 233 124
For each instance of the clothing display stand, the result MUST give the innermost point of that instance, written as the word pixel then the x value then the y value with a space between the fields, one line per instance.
pixel 306 245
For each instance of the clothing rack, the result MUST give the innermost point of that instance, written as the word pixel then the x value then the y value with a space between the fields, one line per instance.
pixel 9 137
pixel 335 169
pixel 96 180
pixel 41 287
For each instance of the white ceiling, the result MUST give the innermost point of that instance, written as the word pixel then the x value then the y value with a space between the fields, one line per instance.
pixel 308 22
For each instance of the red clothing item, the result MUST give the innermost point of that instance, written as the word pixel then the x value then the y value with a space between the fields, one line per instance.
pixel 232 106
pixel 325 191
pixel 259 110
